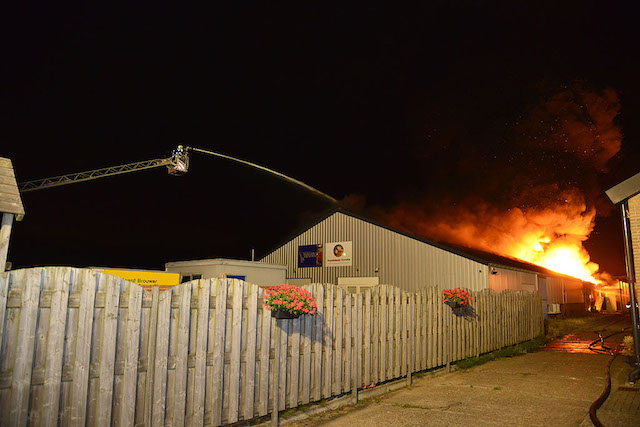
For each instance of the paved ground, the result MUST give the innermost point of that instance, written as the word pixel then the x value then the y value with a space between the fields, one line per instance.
pixel 542 388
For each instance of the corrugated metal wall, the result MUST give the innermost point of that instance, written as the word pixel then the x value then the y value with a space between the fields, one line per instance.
pixel 400 260
pixel 513 279
pixel 554 290
pixel 574 290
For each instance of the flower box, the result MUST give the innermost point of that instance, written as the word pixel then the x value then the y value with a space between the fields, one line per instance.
pixel 288 302
pixel 279 314
pixel 456 298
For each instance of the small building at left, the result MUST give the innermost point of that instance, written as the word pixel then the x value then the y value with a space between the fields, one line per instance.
pixel 10 206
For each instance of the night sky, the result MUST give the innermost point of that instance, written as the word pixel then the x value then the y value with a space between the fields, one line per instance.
pixel 434 102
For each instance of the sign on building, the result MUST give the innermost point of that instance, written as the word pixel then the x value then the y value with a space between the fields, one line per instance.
pixel 339 254
pixel 147 278
pixel 310 255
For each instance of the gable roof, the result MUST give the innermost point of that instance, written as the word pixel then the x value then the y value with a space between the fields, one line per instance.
pixel 10 201
pixel 477 255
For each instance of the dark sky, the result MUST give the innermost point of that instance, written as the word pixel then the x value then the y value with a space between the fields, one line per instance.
pixel 372 100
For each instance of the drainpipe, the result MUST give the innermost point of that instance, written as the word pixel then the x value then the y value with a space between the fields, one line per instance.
pixel 628 257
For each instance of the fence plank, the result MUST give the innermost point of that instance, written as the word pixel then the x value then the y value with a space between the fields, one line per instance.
pixel 328 342
pixel 21 381
pixel 236 335
pixel 375 336
pixel 319 340
pixel 58 279
pixel 401 368
pixel 87 284
pixel 181 355
pixel 132 341
pixel 413 350
pixel 108 332
pixel 203 291
pixel 275 374
pixel 367 318
pixel 384 315
pixel 398 336
pixel 294 370
pixel 358 356
pixel 265 345
pixel 217 349
pixel 151 354
pixel 337 353
pixel 431 337
pixel 285 328
pixel 250 353
pixel 348 348
pixel 162 349
pixel 307 335
pixel 391 338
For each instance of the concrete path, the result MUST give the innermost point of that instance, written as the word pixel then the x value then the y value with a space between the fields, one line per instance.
pixel 538 389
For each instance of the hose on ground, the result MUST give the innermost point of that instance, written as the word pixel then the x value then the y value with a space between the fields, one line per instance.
pixel 607 390
pixel 598 403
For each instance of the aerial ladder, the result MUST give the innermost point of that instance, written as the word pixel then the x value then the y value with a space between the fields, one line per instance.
pixel 177 164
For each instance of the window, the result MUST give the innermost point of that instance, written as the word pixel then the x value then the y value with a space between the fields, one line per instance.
pixel 189 277
pixel 356 285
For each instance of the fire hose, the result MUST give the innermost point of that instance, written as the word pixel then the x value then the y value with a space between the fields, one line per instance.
pixel 607 390
pixel 598 403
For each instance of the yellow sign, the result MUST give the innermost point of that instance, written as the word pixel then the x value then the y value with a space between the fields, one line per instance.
pixel 147 278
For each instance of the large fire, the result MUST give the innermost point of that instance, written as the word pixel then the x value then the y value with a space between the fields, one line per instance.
pixel 533 195
pixel 551 237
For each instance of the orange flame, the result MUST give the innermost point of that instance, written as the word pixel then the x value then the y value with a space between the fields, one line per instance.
pixel 551 237
pixel 549 163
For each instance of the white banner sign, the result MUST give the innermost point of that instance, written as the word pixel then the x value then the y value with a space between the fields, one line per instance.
pixel 339 254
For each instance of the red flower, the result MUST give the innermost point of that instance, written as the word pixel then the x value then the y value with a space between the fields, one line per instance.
pixel 290 299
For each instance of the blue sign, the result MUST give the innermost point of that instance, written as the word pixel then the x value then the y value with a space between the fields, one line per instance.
pixel 310 256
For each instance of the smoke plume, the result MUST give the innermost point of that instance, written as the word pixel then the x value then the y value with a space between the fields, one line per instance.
pixel 532 198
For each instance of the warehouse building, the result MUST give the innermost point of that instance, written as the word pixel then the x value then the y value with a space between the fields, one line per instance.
pixel 258 273
pixel 355 252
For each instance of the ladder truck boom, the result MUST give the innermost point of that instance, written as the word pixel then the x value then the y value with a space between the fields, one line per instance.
pixel 177 164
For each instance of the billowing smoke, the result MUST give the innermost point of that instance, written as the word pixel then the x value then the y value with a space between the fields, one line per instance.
pixel 532 198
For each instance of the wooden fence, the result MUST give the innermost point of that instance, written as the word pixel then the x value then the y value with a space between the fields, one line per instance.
pixel 80 347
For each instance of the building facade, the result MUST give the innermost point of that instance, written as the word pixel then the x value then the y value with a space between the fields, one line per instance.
pixel 354 252
pixel 258 273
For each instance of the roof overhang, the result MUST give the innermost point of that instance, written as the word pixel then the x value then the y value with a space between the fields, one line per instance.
pixel 625 190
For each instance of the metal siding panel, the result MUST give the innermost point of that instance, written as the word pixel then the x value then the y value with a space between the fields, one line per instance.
pixel 404 262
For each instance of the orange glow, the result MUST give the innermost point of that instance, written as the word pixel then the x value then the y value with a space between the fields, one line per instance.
pixel 549 236
pixel 539 213
pixel 569 260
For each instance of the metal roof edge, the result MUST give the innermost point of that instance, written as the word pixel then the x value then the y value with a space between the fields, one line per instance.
pixel 300 230
pixel 222 261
